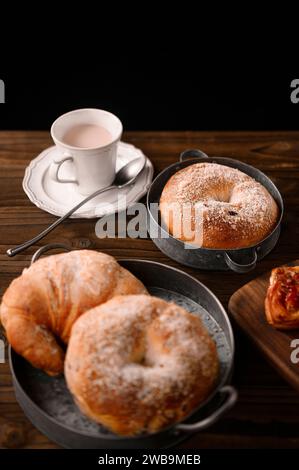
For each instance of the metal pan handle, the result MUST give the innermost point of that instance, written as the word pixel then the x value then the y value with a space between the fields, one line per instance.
pixel 238 267
pixel 50 246
pixel 192 153
pixel 230 400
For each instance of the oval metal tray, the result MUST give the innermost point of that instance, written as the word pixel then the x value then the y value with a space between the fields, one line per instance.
pixel 49 405
pixel 239 260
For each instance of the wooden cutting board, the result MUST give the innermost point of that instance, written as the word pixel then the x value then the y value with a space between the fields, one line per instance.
pixel 246 306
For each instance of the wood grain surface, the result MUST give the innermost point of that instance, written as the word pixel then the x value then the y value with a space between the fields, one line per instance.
pixel 267 413
pixel 246 305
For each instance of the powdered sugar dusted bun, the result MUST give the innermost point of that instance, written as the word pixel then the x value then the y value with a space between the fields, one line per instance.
pixel 137 364
pixel 215 206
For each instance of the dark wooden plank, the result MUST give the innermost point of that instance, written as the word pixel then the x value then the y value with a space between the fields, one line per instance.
pixel 267 413
pixel 247 307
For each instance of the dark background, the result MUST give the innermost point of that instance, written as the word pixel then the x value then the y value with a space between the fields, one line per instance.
pixel 147 96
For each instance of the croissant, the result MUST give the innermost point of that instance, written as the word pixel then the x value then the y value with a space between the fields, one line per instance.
pixel 282 299
pixel 39 308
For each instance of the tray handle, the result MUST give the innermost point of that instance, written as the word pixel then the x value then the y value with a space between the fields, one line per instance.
pixel 45 248
pixel 239 267
pixel 192 153
pixel 230 400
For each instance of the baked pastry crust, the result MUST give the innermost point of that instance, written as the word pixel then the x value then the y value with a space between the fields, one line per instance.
pixel 137 364
pixel 282 299
pixel 42 304
pixel 216 206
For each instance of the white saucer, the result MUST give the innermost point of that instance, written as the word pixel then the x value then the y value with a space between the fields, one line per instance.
pixel 58 198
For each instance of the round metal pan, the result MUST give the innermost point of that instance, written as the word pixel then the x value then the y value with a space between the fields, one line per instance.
pixel 49 405
pixel 239 260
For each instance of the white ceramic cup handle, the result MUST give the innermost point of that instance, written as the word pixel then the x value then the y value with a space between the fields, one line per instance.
pixel 55 167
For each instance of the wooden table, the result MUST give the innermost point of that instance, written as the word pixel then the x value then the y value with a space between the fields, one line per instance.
pixel 267 413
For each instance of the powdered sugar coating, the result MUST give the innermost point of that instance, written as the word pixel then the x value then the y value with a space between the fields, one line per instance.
pixel 138 363
pixel 42 304
pixel 229 208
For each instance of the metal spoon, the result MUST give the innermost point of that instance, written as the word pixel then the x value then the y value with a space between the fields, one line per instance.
pixel 124 177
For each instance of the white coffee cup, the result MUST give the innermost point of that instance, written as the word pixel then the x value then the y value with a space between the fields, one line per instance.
pixel 94 168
